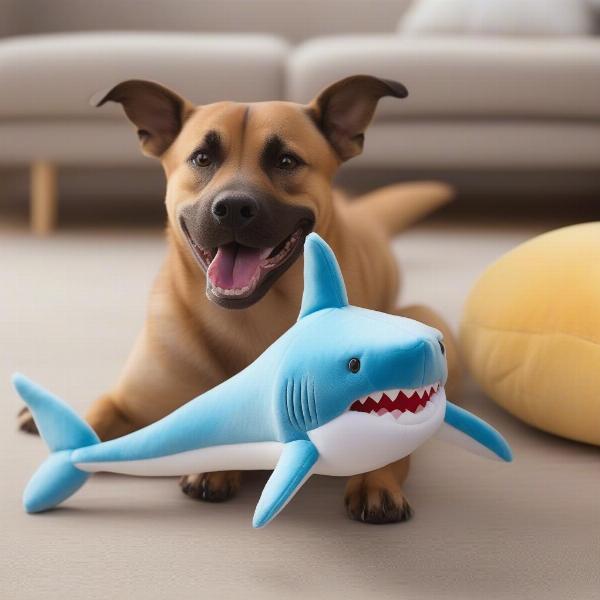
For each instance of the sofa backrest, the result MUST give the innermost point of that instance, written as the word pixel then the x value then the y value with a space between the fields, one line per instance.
pixel 294 20
pixel 8 17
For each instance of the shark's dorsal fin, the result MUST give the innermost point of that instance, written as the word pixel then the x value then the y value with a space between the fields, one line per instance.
pixel 464 429
pixel 292 470
pixel 323 282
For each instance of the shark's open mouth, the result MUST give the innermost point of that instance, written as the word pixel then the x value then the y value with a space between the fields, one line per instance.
pixel 401 405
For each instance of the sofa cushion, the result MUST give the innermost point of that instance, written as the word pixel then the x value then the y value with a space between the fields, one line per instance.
pixel 509 17
pixel 56 75
pixel 458 76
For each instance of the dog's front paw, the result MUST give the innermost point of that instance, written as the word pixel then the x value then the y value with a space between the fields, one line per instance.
pixel 25 421
pixel 211 487
pixel 375 503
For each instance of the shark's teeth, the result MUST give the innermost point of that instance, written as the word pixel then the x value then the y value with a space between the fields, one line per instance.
pixel 404 403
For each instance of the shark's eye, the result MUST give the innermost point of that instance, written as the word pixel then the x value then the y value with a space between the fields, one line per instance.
pixel 442 348
pixel 354 365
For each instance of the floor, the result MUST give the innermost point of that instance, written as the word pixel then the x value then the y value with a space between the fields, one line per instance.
pixel 70 307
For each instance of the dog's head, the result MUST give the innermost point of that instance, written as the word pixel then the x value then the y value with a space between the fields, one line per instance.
pixel 247 182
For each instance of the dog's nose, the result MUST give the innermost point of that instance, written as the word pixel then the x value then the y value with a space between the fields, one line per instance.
pixel 234 210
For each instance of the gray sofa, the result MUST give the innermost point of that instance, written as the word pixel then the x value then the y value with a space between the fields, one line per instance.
pixel 500 105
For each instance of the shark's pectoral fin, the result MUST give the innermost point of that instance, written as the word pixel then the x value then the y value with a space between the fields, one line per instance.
pixel 292 470
pixel 464 429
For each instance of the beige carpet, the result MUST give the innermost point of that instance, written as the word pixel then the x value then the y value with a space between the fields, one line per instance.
pixel 69 308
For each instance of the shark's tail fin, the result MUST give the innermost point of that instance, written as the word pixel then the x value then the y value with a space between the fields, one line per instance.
pixel 63 431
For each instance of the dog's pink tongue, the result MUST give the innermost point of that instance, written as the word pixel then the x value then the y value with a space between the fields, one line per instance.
pixel 234 266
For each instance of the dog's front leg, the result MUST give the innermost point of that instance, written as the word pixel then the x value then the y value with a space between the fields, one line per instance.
pixel 377 497
pixel 217 486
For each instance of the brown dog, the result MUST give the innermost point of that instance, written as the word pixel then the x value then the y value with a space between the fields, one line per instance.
pixel 245 184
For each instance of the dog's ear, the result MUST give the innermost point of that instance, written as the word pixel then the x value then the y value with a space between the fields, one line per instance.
pixel 157 112
pixel 344 110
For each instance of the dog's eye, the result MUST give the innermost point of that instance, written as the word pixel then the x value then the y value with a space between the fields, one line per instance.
pixel 201 159
pixel 354 365
pixel 287 162
pixel 442 348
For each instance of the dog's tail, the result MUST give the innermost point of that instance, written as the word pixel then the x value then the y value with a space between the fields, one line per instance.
pixel 398 206
pixel 63 431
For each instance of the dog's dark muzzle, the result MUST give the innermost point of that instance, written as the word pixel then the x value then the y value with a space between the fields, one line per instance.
pixel 249 217
pixel 244 240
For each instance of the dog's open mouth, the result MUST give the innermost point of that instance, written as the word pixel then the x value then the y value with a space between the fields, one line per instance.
pixel 401 405
pixel 236 272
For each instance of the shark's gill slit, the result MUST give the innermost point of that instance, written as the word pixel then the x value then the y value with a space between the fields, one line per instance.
pixel 297 403
pixel 312 406
pixel 304 401
pixel 289 393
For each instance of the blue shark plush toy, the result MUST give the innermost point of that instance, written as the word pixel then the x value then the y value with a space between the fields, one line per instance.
pixel 346 390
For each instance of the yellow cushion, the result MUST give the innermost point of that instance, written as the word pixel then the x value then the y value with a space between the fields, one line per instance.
pixel 531 332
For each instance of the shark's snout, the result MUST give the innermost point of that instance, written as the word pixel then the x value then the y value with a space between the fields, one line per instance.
pixel 408 380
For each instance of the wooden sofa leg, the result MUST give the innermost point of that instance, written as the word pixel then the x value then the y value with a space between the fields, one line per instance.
pixel 43 203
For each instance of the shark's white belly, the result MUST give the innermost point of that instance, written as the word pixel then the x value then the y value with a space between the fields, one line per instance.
pixel 230 457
